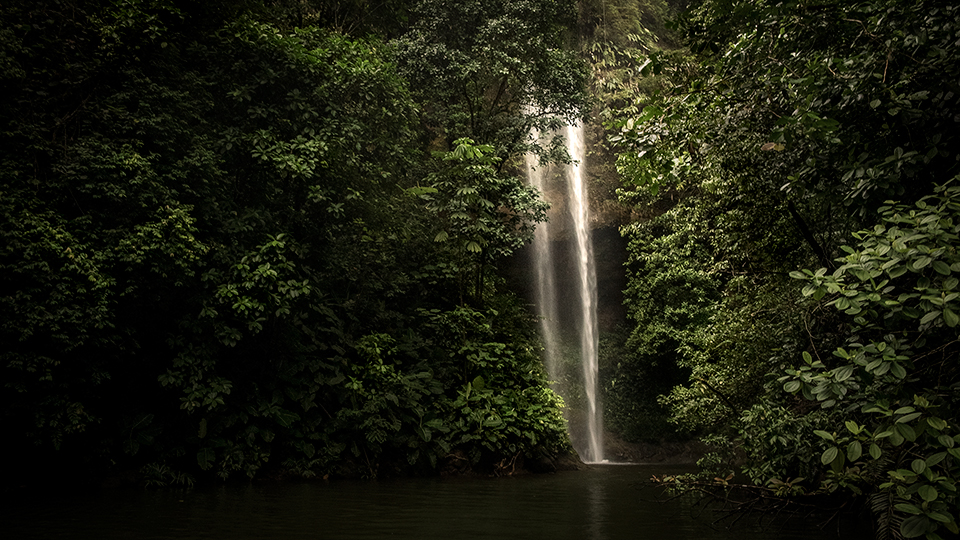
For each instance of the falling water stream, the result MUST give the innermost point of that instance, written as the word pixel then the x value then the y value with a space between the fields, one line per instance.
pixel 545 272
pixel 589 336
pixel 575 194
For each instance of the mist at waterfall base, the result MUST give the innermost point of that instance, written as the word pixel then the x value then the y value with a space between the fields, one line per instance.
pixel 565 294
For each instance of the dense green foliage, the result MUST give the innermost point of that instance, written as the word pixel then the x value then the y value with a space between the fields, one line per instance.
pixel 222 243
pixel 492 70
pixel 792 135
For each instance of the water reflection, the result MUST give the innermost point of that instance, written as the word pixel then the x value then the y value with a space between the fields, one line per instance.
pixel 604 503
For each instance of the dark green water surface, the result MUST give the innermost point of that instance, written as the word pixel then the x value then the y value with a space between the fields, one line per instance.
pixel 602 503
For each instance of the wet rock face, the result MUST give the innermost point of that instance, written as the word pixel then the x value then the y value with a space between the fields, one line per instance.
pixel 610 253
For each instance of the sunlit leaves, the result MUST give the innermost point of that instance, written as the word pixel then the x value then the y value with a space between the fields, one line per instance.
pixel 492 70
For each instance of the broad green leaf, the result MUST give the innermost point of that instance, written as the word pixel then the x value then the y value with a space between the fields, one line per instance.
pixel 950 317
pixel 914 527
pixel 897 370
pixel 854 451
pixel 823 434
pixel 907 431
pixel 908 508
pixel 844 372
pixel 935 459
pixel 897 271
pixel 896 438
pixel 829 455
pixel 928 492
pixel 930 316
pixel 937 516
pixel 908 418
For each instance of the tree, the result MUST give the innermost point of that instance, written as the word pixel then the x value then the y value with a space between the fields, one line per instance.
pixel 484 215
pixel 895 377
pixel 212 260
pixel 493 70
pixel 793 124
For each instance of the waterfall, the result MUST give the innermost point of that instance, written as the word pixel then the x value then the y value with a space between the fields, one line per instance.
pixel 545 278
pixel 589 333
pixel 545 262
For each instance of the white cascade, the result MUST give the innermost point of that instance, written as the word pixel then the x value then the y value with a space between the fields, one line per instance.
pixel 545 275
pixel 589 332
pixel 576 200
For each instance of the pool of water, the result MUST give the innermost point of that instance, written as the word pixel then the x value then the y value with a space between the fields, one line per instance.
pixel 606 502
